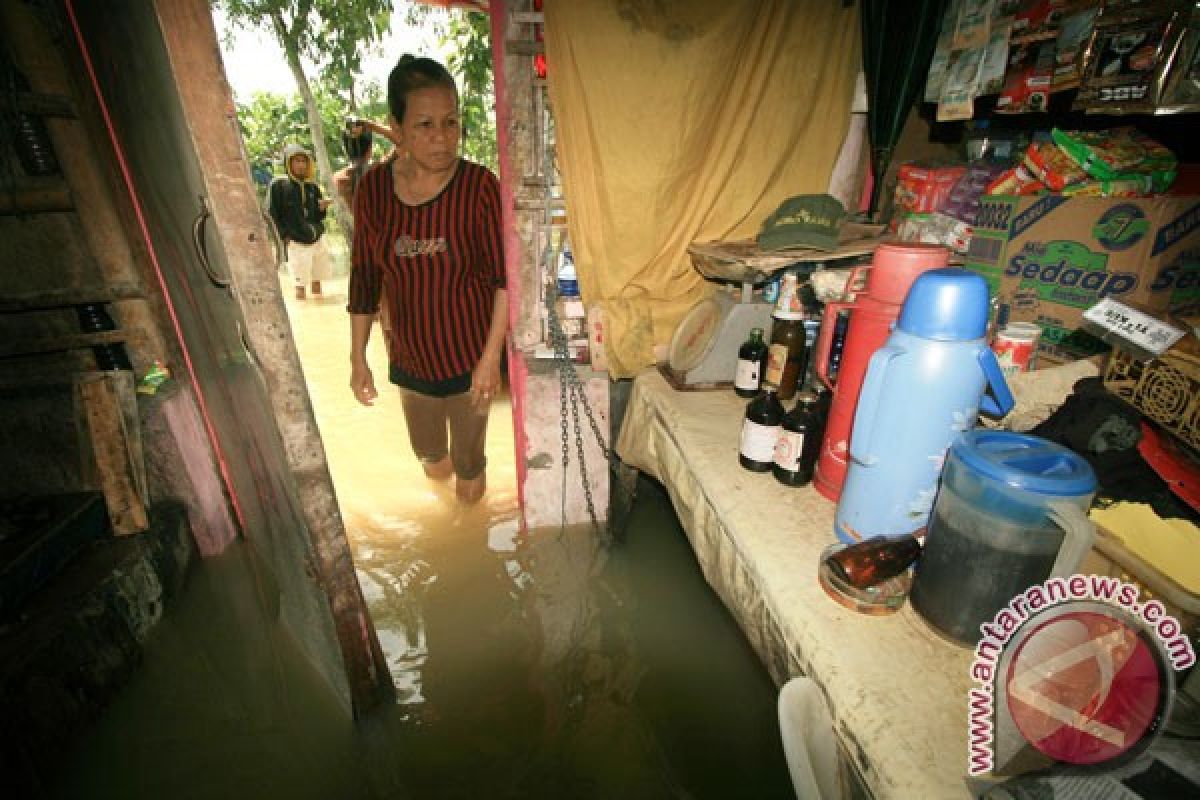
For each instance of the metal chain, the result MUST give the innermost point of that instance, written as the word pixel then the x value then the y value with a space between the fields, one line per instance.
pixel 570 386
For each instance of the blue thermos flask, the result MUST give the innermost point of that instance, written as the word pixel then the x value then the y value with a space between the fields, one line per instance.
pixel 923 389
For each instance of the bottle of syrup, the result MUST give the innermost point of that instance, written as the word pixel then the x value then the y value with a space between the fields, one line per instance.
pixel 760 429
pixel 799 442
pixel 752 358
pixel 787 351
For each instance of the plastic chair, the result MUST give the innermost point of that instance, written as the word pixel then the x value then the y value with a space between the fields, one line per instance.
pixel 809 743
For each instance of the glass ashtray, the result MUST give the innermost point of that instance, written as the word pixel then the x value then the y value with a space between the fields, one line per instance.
pixel 883 598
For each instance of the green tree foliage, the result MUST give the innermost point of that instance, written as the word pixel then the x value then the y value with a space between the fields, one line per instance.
pixel 469 37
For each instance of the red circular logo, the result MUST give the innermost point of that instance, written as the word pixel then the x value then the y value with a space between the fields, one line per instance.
pixel 1085 686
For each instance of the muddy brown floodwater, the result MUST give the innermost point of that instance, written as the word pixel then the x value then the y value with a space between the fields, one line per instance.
pixel 547 664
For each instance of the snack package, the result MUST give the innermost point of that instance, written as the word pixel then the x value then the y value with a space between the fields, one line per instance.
pixel 1035 18
pixel 1127 58
pixel 1181 89
pixel 1131 186
pixel 924 189
pixel 1073 33
pixel 957 100
pixel 1016 180
pixel 1053 166
pixel 995 60
pixel 941 54
pixel 1028 77
pixel 936 228
pixel 1118 153
pixel 963 201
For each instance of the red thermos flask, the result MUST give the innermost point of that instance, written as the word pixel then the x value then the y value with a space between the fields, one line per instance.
pixel 872 313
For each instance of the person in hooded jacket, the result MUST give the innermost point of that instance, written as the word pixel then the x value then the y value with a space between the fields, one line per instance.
pixel 297 208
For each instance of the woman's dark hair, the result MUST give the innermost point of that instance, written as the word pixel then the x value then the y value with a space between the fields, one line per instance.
pixel 411 73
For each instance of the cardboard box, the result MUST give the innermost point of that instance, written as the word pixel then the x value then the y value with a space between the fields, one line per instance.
pixel 1048 259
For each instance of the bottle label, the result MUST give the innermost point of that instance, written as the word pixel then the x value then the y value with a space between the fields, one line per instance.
pixel 758 441
pixel 747 376
pixel 777 356
pixel 788 449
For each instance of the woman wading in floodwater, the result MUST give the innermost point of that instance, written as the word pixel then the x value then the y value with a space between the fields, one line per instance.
pixel 427 247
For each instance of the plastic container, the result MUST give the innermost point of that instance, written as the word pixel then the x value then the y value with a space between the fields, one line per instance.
pixel 1011 512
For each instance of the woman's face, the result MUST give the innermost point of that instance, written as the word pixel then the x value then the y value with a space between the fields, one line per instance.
pixel 431 130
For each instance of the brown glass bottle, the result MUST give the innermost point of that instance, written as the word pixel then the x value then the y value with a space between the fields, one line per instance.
pixel 872 562
pixel 752 356
pixel 760 429
pixel 785 354
pixel 799 442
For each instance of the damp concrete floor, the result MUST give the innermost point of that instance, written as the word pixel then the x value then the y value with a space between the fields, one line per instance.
pixel 544 664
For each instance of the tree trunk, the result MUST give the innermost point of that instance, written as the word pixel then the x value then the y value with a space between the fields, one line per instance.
pixel 324 167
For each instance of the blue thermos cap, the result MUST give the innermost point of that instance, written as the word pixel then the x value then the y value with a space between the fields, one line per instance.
pixel 948 305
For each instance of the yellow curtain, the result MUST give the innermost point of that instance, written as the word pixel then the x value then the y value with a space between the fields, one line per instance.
pixel 681 121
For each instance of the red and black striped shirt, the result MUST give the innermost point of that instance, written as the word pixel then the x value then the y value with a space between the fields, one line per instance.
pixel 435 267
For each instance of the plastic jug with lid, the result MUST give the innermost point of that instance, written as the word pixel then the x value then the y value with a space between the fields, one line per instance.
pixel 1011 513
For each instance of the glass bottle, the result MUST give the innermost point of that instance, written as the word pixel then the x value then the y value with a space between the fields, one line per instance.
pixel 752 358
pixel 873 561
pixel 760 429
pixel 799 442
pixel 786 353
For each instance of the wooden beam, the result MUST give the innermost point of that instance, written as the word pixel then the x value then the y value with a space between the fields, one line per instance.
pixel 30 198
pixel 56 344
pixel 65 298
pixel 45 105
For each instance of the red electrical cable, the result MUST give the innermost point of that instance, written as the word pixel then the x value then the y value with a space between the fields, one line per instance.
pixel 222 465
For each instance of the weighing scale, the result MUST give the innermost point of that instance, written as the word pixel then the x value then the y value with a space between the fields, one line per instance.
pixel 703 350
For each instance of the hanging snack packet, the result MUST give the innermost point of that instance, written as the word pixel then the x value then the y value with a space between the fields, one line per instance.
pixel 995 60
pixel 1181 90
pixel 1127 58
pixel 1050 164
pixel 1073 33
pixel 1027 79
pixel 1116 153
pixel 941 54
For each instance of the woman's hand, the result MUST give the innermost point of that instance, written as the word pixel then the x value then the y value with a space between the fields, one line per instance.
pixel 485 380
pixel 362 383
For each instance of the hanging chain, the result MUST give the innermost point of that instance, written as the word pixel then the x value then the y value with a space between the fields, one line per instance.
pixel 572 395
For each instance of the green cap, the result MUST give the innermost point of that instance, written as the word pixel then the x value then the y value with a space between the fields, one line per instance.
pixel 806 220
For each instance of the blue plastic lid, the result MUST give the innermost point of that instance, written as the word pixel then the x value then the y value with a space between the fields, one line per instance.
pixel 947 305
pixel 1026 462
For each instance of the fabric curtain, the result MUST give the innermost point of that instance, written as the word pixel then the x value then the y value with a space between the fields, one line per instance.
pixel 686 121
pixel 898 42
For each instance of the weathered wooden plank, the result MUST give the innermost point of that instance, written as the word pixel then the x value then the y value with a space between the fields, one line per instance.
pixel 47 195
pixel 45 105
pixel 110 444
pixel 67 297
pixel 26 347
